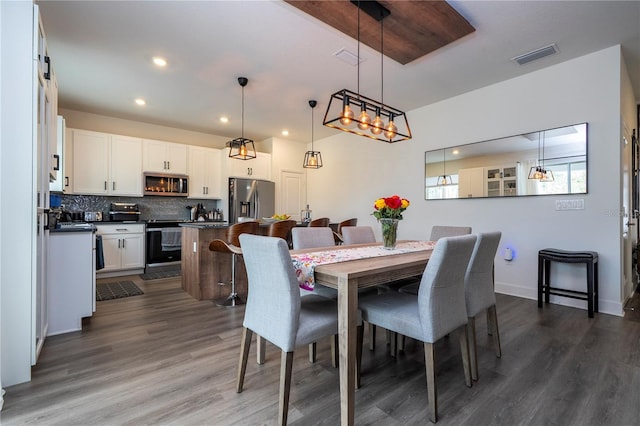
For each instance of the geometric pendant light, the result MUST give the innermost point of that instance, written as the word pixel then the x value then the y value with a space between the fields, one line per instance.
pixel 241 148
pixel 539 172
pixel 312 159
pixel 355 113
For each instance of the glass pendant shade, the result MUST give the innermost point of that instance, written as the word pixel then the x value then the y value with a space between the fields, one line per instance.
pixel 444 180
pixel 313 159
pixel 242 148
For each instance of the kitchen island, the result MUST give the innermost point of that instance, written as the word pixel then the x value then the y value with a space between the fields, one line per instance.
pixel 206 275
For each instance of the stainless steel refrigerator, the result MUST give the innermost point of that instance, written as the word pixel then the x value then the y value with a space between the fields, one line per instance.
pixel 251 198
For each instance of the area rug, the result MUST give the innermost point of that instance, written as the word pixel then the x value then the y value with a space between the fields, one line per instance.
pixel 116 290
pixel 168 273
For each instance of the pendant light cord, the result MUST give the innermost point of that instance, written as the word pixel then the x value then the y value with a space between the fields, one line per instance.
pixel 358 91
pixel 381 59
pixel 242 116
pixel 312 129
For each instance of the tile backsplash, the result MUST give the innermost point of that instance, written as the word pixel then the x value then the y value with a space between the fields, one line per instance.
pixel 161 208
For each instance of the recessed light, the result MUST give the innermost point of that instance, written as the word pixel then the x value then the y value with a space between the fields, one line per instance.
pixel 161 62
pixel 140 101
pixel 224 119
pixel 285 132
pixel 455 152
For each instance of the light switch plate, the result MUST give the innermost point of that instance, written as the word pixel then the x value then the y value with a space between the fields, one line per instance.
pixel 577 204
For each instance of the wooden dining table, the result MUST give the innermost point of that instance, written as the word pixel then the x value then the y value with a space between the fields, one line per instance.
pixel 348 277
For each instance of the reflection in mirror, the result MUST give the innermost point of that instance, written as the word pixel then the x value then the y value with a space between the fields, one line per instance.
pixel 547 162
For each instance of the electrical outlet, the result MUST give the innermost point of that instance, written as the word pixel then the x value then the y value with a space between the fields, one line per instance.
pixel 577 204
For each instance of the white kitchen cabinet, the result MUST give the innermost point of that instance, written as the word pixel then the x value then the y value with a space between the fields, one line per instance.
pixel 123 248
pixel 256 168
pixel 58 158
pixel 164 157
pixel 72 280
pixel 105 164
pixel 501 181
pixel 204 173
pixel 471 182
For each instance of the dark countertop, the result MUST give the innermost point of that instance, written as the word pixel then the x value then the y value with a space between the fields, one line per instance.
pixel 73 227
pixel 205 224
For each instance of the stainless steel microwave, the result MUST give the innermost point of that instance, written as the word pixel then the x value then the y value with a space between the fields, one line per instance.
pixel 167 185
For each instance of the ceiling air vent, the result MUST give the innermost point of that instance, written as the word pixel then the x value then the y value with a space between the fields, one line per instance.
pixel 536 54
pixel 348 57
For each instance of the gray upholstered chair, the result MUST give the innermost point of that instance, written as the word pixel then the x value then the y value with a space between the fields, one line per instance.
pixel 438 310
pixel 276 311
pixel 479 293
pixel 312 237
pixel 439 231
pixel 357 235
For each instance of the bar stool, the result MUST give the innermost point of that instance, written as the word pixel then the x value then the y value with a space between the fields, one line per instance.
pixel 282 229
pixel 590 258
pixel 338 231
pixel 232 246
pixel 320 222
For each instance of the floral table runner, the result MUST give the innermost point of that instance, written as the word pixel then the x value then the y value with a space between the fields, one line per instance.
pixel 305 263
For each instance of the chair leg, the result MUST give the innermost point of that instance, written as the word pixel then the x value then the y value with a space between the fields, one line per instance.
pixel 334 351
pixel 489 331
pixel 286 365
pixel 360 338
pixel 430 361
pixel 464 349
pixel 473 354
pixel 233 299
pixel 244 356
pixel 393 346
pixel 261 349
pixel 372 337
pixel 401 338
pixel 312 352
pixel 493 314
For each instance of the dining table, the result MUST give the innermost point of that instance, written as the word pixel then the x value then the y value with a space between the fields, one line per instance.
pixel 348 277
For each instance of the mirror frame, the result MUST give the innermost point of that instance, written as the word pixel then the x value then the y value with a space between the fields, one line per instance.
pixel 508 176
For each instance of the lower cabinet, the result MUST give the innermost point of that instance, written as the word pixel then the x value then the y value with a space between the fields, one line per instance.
pixel 123 248
pixel 71 294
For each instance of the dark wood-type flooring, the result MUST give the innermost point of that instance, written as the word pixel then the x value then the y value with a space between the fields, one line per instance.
pixel 165 358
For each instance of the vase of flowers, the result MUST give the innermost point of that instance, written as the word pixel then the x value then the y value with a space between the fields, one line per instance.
pixel 388 211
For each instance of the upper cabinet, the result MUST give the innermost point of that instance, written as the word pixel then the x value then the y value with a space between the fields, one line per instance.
pixel 256 168
pixel 164 157
pixel 204 173
pixel 105 164
pixel 58 174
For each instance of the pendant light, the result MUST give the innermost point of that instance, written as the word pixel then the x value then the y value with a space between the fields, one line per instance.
pixel 312 159
pixel 539 172
pixel 340 114
pixel 444 178
pixel 242 148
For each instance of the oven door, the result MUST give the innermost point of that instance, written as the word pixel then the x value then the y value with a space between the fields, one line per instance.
pixel 163 245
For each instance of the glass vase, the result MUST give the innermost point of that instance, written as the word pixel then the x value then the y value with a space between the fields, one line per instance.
pixel 389 233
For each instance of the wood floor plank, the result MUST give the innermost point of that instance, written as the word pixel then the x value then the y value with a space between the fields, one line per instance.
pixel 166 358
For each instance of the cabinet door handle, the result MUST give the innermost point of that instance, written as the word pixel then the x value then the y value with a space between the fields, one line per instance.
pixel 123 242
pixel 66 181
pixel 47 75
pixel 56 157
pixel 113 185
pixel 105 185
pixel 119 240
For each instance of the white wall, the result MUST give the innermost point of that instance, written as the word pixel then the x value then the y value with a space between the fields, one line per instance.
pixel 16 189
pixel 586 89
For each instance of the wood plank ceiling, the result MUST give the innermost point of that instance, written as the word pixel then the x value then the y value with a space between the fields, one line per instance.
pixel 413 29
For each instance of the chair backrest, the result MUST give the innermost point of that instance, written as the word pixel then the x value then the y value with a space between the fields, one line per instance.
pixel 312 237
pixel 281 229
pixel 235 230
pixel 273 300
pixel 320 222
pixel 441 293
pixel 348 222
pixel 479 293
pixel 438 231
pixel 358 235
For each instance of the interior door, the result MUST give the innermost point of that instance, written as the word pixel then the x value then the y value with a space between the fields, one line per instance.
pixel 292 194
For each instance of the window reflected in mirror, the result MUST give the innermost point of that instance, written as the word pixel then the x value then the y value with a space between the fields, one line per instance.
pixel 546 162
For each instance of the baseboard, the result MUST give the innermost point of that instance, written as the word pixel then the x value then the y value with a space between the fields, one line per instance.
pixel 609 307
pixel 110 274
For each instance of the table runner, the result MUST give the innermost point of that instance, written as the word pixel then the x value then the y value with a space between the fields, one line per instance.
pixel 304 263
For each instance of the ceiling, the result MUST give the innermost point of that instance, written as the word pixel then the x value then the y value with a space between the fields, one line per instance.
pixel 102 52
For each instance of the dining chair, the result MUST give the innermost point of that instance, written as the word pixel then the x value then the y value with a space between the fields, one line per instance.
pixel 282 229
pixel 276 311
pixel 358 235
pixel 438 310
pixel 320 222
pixel 231 245
pixel 338 233
pixel 480 295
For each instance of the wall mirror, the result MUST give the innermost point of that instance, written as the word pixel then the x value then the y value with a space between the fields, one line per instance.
pixel 545 162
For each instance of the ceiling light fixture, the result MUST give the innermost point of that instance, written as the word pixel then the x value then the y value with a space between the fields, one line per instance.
pixel 539 172
pixel 224 119
pixel 340 114
pixel 312 159
pixel 140 102
pixel 241 148
pixel 161 62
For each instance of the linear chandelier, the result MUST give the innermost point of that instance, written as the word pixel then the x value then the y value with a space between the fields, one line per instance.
pixel 242 148
pixel 388 124
pixel 312 159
